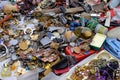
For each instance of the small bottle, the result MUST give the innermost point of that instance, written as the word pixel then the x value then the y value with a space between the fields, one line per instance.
pixel 5 72
pixel 13 67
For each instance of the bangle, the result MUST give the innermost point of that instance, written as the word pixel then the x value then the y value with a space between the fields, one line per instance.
pixel 2 43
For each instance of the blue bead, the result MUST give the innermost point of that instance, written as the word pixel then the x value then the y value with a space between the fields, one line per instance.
pixel 74 24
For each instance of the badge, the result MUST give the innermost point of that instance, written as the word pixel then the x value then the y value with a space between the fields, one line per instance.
pixel 23 45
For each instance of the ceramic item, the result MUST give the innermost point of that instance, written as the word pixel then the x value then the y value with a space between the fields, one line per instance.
pixel 114 33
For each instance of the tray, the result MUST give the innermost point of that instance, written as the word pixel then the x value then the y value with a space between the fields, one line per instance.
pixel 103 54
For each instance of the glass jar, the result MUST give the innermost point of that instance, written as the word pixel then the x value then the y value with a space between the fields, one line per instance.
pixel 5 72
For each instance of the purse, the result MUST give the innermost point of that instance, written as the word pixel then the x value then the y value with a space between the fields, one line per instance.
pixel 64 65
pixel 58 72
pixel 61 65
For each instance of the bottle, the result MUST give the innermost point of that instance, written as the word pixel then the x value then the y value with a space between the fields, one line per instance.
pixel 6 72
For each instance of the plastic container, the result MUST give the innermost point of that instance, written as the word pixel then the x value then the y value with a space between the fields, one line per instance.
pixel 101 29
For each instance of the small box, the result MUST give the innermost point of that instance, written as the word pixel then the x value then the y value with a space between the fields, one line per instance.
pixel 97 41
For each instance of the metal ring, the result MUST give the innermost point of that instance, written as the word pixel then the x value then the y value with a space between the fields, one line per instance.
pixel 1 43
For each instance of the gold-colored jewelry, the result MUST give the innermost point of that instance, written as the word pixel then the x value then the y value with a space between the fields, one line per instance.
pixel 23 45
